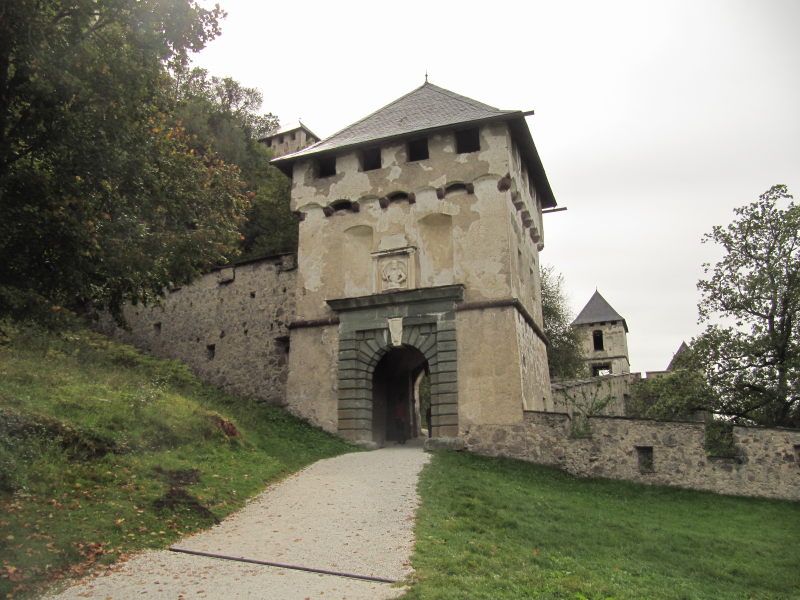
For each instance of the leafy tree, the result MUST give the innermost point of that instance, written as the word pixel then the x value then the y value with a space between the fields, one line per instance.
pixel 751 357
pixel 221 113
pixel 105 197
pixel 564 354
pixel 678 394
pixel 270 227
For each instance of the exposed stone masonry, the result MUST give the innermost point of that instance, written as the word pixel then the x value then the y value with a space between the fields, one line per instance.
pixel 230 326
pixel 768 463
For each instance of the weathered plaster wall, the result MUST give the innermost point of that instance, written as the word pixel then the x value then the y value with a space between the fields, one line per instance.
pixel 769 465
pixel 526 234
pixel 473 234
pixel 532 361
pixel 340 256
pixel 311 390
pixel 229 326
pixel 489 383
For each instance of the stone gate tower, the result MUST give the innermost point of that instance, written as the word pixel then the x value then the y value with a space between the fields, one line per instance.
pixel 420 233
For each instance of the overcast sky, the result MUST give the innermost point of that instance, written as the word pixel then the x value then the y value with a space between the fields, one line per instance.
pixel 653 119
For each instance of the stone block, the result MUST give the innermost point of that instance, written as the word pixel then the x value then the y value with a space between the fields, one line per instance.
pixel 445 443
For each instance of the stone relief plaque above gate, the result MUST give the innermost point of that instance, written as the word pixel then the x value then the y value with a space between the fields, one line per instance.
pixel 394 269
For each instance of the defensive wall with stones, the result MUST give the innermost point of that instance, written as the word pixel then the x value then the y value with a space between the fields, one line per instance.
pixel 230 326
pixel 650 451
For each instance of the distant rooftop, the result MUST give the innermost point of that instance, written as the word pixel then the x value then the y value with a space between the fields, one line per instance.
pixel 682 349
pixel 424 110
pixel 295 126
pixel 598 310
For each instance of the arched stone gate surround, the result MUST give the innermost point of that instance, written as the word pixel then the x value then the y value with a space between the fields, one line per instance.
pixel 422 318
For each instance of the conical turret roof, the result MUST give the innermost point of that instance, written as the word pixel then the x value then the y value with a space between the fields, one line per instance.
pixel 598 310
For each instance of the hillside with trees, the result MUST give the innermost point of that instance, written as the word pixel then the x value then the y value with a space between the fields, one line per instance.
pixel 122 171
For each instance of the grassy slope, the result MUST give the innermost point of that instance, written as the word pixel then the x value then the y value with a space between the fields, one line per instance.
pixel 89 430
pixel 494 528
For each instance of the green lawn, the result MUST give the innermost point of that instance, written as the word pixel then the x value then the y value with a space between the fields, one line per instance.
pixel 105 451
pixel 496 528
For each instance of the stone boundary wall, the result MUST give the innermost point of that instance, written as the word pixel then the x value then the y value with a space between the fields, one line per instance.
pixel 650 451
pixel 230 326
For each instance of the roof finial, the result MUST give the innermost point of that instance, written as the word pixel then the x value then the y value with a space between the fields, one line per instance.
pixel 426 75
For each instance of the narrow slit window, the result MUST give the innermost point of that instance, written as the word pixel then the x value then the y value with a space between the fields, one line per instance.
pixel 211 351
pixel 418 149
pixel 597 339
pixel 326 167
pixel 468 140
pixel 371 159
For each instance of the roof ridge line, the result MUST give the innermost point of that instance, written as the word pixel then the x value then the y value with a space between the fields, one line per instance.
pixel 464 99
pixel 374 112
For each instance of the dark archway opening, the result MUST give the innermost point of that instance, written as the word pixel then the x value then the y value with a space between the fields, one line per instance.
pixel 395 395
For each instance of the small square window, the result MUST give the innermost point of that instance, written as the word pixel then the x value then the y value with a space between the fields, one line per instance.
pixel 371 159
pixel 468 140
pixel 418 149
pixel 294 136
pixel 326 167
pixel 645 456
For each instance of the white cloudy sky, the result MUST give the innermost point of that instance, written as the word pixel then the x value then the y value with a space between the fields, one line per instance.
pixel 654 119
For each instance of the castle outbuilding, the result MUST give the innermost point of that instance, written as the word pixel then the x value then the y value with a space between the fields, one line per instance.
pixel 290 139
pixel 420 233
pixel 604 336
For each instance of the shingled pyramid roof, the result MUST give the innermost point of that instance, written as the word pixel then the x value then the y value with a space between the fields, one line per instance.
pixel 427 107
pixel 598 310
pixel 424 110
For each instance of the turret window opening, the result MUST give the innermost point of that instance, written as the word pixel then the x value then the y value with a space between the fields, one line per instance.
pixel 597 339
pixel 418 149
pixel 371 159
pixel 326 167
pixel 468 140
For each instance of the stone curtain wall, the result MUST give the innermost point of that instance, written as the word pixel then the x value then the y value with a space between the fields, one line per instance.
pixel 648 451
pixel 230 326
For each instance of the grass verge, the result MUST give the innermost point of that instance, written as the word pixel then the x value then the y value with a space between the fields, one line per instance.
pixel 105 451
pixel 497 528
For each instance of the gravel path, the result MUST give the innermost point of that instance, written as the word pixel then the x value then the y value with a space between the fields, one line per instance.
pixel 351 514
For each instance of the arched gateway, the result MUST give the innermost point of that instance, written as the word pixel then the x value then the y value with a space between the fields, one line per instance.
pixel 396 410
pixel 384 341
